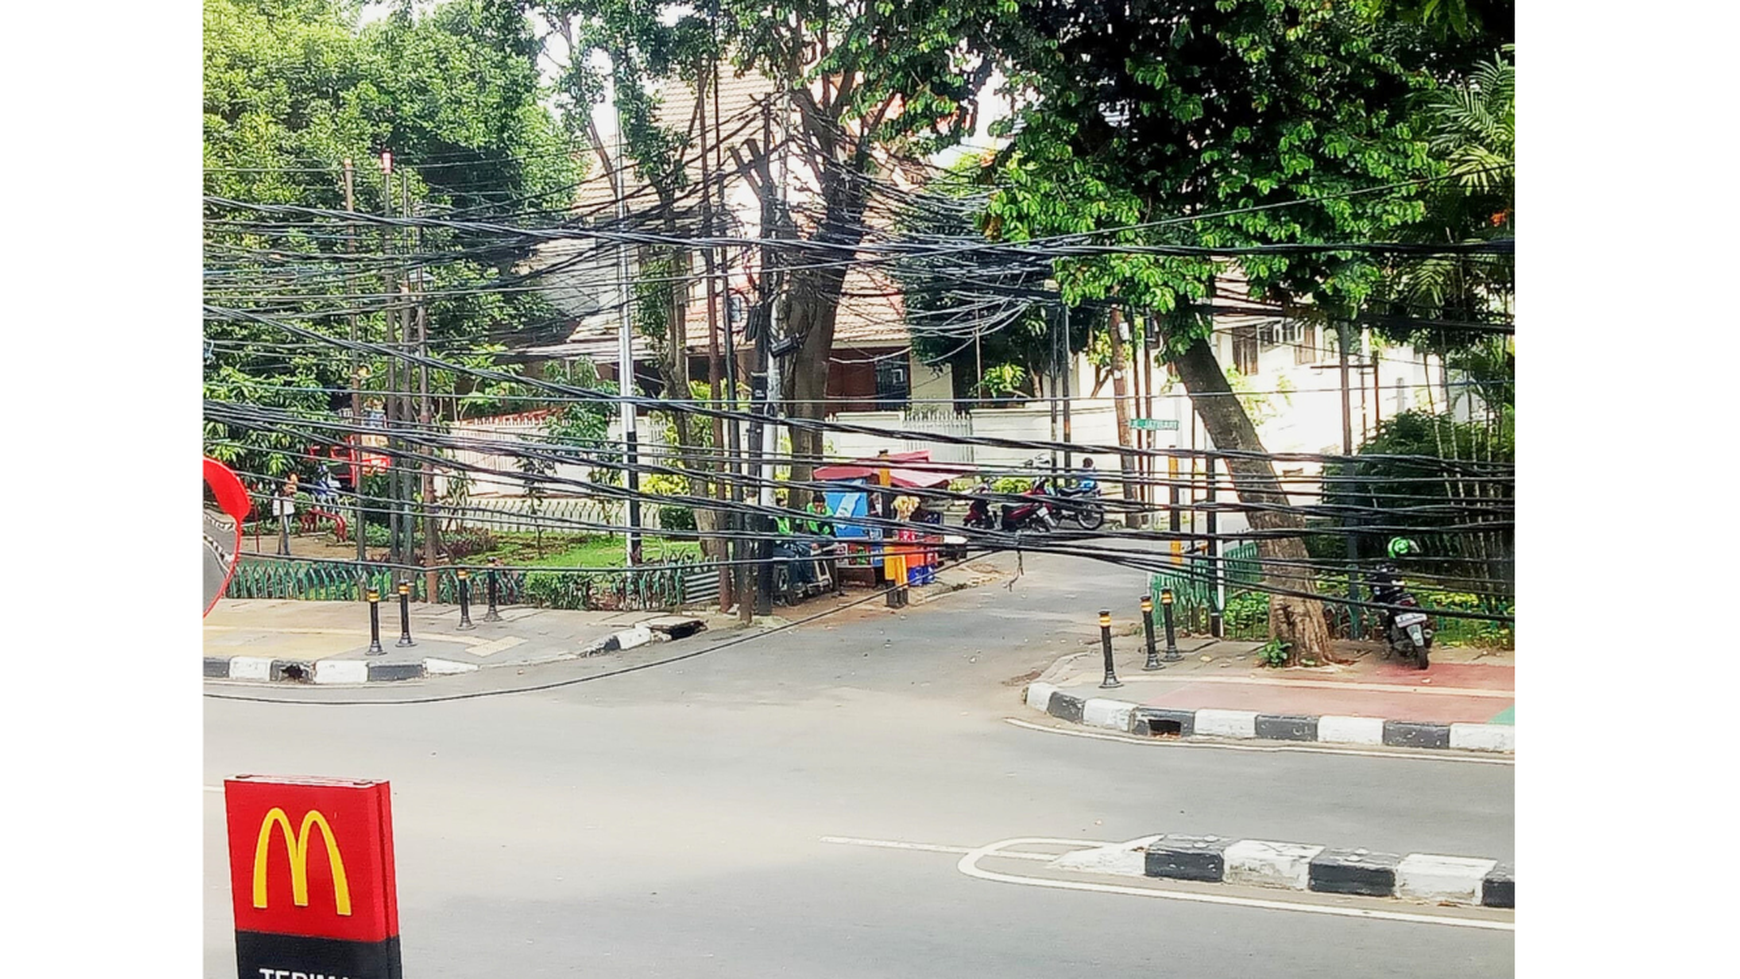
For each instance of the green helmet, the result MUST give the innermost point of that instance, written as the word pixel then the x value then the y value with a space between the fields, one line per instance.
pixel 1401 545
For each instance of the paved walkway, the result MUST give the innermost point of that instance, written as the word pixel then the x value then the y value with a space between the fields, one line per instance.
pixel 1461 686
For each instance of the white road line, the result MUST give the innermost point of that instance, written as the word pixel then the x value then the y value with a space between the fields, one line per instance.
pixel 931 847
pixel 969 865
pixel 1433 754
pixel 212 788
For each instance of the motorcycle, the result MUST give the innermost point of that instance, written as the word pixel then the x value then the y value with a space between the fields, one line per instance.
pixel 1083 506
pixel 1406 629
pixel 1033 513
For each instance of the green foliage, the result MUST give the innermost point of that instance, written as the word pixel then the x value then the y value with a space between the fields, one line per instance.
pixel 293 90
pixel 1274 653
pixel 560 589
pixel 1003 379
pixel 1246 613
pixel 676 517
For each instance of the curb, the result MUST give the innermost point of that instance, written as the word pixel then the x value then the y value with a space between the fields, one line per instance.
pixel 351 671
pixel 1160 722
pixel 1428 878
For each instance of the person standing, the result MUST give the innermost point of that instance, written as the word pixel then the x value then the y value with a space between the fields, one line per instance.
pixel 284 508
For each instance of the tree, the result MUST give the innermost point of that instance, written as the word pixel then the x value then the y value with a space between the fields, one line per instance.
pixel 1232 123
pixel 293 90
pixel 871 84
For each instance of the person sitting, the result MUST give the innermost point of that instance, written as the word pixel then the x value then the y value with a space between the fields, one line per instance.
pixel 794 549
pixel 1084 481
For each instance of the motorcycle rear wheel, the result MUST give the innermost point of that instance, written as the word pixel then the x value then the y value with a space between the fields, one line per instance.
pixel 1088 516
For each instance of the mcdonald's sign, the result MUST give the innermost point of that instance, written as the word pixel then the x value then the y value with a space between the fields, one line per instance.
pixel 311 878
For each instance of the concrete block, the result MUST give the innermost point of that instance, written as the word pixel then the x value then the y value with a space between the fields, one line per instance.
pixel 1286 727
pixel 1065 707
pixel 292 670
pixel 1111 714
pixel 1186 858
pixel 1350 730
pixel 1039 695
pixel 1498 888
pixel 250 668
pixel 1434 878
pixel 341 671
pixel 1122 859
pixel 1354 872
pixel 446 667
pixel 395 671
pixel 1407 734
pixel 1269 864
pixel 217 667
pixel 1226 723
pixel 1159 721
pixel 640 635
pixel 1483 737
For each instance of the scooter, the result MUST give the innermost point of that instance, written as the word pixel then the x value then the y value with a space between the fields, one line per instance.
pixel 1084 507
pixel 1034 513
pixel 1406 630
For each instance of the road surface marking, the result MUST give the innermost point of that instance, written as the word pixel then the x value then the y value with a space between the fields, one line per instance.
pixel 496 646
pixel 931 847
pixel 1433 754
pixel 212 788
pixel 969 865
pixel 1260 681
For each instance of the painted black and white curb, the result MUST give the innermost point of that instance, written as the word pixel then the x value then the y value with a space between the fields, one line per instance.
pixel 324 671
pixel 1129 718
pixel 1424 877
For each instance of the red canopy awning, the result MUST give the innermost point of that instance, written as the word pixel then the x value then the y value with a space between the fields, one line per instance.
pixel 925 475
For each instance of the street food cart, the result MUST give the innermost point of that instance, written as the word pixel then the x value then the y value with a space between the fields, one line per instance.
pixel 867 489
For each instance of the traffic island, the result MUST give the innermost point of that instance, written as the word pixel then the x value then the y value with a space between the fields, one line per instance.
pixel 1425 878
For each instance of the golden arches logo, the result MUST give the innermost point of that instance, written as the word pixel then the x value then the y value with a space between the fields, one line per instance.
pixel 298 847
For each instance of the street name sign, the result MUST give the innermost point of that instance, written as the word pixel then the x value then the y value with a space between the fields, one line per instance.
pixel 1155 424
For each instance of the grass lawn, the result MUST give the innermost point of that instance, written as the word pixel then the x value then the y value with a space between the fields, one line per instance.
pixel 568 551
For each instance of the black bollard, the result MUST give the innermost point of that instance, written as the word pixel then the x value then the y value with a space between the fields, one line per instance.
pixel 1172 654
pixel 1111 679
pixel 465 600
pixel 404 615
pixel 375 623
pixel 490 614
pixel 1153 662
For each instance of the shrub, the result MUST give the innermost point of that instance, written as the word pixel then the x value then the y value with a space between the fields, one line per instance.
pixel 673 517
pixel 559 589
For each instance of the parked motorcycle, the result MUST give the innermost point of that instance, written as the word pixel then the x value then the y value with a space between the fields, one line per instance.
pixel 1406 629
pixel 1033 512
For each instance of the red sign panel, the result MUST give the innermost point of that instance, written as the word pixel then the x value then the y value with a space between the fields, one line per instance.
pixel 312 858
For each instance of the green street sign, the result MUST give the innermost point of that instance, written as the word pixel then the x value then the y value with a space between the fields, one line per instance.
pixel 1155 424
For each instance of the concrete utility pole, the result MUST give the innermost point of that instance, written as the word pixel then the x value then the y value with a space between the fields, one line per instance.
pixel 389 403
pixel 355 398
pixel 1346 338
pixel 625 356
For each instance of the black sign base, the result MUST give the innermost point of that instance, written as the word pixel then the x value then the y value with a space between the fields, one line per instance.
pixel 265 956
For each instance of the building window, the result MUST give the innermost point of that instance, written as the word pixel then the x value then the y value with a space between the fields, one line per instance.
pixel 1244 349
pixel 1306 351
pixel 893 387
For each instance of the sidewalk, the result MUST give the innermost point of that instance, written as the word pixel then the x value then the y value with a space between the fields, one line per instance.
pixel 1369 701
pixel 327 642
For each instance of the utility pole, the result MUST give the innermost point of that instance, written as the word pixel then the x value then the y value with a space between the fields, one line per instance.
pixel 425 420
pixel 704 81
pixel 1067 441
pixel 625 355
pixel 1346 338
pixel 407 522
pixel 389 403
pixel 362 555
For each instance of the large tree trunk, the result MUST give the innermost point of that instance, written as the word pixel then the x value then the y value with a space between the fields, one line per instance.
pixel 1293 620
pixel 810 318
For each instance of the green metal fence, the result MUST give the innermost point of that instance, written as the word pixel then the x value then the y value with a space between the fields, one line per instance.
pixel 339 581
pixel 1246 615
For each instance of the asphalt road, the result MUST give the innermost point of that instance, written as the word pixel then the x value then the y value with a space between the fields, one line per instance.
pixel 670 822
